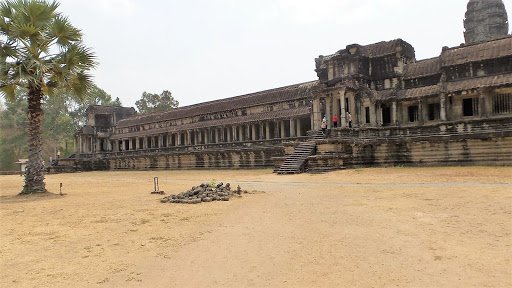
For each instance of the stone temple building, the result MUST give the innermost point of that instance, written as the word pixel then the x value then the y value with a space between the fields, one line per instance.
pixel 454 109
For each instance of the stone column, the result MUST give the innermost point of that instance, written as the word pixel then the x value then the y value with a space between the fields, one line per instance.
pixel 247 132
pixel 188 140
pixel 442 102
pixel 343 116
pixel 276 130
pixel 262 130
pixel 299 128
pixel 293 129
pixel 421 119
pixel 91 146
pixel 81 145
pixel 328 101
pixel 267 133
pixel 130 144
pixel 482 98
pixel 253 132
pixel 317 117
pixel 395 114
pixel 234 133
pixel 378 116
pixel 283 131
pixel 336 108
pixel 75 144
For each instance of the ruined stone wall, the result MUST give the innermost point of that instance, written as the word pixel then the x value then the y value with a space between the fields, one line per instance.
pixel 483 142
pixel 258 157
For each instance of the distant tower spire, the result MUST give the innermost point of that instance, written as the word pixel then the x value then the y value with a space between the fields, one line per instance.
pixel 485 20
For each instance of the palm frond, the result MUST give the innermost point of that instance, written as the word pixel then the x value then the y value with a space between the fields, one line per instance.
pixel 8 91
pixel 62 30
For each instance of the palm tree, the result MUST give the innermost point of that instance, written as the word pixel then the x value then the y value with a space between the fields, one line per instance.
pixel 41 52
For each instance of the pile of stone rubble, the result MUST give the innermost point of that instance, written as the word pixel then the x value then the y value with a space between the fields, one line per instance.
pixel 204 193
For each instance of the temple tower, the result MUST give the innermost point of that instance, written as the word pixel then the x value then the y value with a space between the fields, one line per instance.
pixel 485 20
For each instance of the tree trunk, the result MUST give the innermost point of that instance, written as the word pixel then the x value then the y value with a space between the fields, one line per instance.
pixel 34 173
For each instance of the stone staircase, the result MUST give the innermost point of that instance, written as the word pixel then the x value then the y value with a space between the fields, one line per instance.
pixel 296 162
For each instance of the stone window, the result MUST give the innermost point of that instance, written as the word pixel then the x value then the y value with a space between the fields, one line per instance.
pixel 367 114
pixel 470 107
pixel 412 112
pixel 502 103
pixel 434 111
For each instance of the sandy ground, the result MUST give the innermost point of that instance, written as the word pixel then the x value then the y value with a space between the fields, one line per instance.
pixel 394 227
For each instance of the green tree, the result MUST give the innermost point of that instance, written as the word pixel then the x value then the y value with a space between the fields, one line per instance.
pixel 153 102
pixel 13 124
pixel 57 129
pixel 42 52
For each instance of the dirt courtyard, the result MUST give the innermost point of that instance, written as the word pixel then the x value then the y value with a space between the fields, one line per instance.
pixel 389 227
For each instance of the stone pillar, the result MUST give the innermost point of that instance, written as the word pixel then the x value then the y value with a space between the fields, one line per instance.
pixel 75 144
pixel 253 132
pixel 299 128
pixel 336 108
pixel 378 116
pixel 188 140
pixel 247 132
pixel 442 102
pixel 276 130
pixel 130 144
pixel 282 132
pixel 160 141
pixel 81 145
pixel 262 130
pixel 482 98
pixel 328 101
pixel 317 117
pixel 267 133
pixel 234 133
pixel 91 146
pixel 421 119
pixel 395 114
pixel 293 129
pixel 343 116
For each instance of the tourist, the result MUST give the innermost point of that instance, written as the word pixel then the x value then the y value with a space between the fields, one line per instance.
pixel 349 120
pixel 324 125
pixel 334 121
pixel 58 155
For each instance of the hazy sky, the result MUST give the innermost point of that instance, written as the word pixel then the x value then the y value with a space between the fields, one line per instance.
pixel 206 50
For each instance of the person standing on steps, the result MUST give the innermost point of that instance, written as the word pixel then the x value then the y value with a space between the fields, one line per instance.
pixel 324 125
pixel 335 121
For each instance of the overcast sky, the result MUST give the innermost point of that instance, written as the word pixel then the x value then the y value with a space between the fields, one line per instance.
pixel 204 50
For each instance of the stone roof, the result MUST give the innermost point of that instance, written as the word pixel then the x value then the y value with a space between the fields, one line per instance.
pixel 477 52
pixel 422 68
pixel 283 94
pixel 420 92
pixel 102 109
pixel 409 93
pixel 378 49
pixel 271 115
pixel 473 83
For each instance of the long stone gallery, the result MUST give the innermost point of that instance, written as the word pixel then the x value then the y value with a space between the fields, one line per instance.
pixel 391 109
